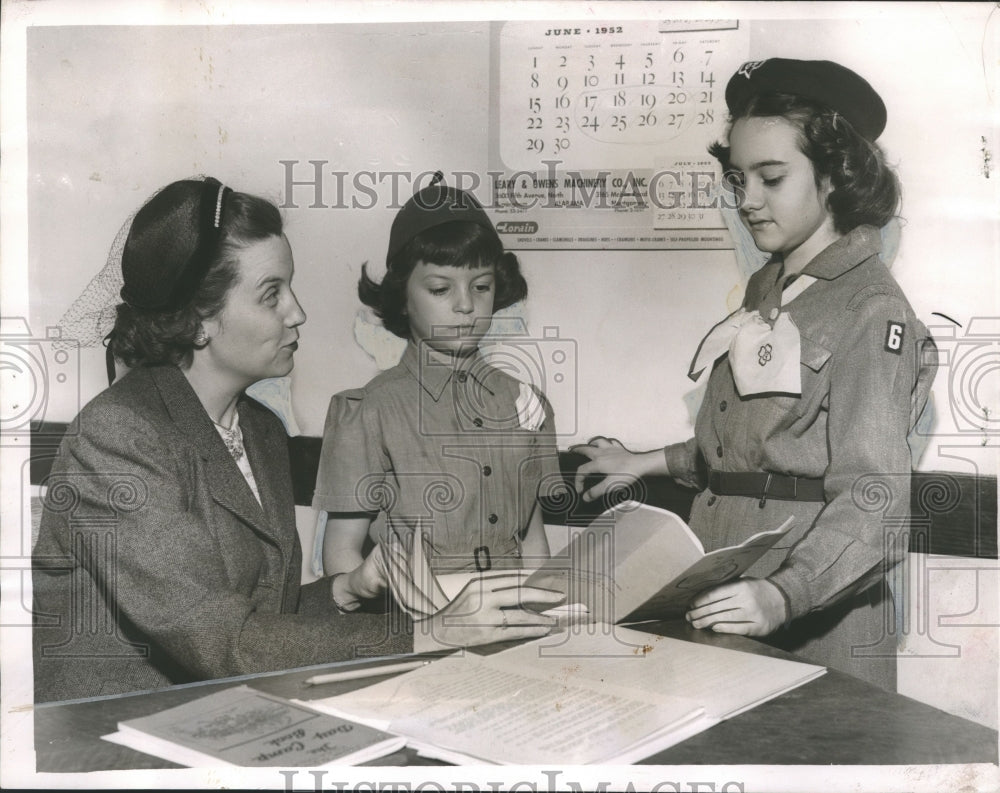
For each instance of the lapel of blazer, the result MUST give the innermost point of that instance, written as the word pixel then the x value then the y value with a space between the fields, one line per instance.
pixel 267 449
pixel 225 482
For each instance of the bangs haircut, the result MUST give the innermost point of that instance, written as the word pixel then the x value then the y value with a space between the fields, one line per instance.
pixel 456 244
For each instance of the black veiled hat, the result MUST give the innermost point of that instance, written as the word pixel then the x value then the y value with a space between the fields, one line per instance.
pixel 170 244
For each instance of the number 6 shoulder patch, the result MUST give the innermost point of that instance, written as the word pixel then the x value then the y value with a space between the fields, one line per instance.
pixel 894 337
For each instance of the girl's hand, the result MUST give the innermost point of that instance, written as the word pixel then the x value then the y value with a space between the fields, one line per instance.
pixel 749 607
pixel 491 608
pixel 620 466
pixel 367 580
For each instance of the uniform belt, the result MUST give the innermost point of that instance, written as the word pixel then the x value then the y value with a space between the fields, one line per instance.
pixel 765 485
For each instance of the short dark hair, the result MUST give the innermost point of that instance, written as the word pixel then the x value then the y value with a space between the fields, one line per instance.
pixel 456 244
pixel 149 337
pixel 865 190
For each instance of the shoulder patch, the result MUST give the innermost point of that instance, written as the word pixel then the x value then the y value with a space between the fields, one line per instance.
pixel 894 336
pixel 352 394
pixel 878 290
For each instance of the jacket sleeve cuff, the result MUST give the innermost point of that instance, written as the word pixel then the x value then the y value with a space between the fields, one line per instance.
pixel 680 460
pixel 794 590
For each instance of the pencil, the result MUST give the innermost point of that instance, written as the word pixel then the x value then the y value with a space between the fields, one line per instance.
pixel 370 671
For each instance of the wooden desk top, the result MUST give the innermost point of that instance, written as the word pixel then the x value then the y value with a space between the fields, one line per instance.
pixel 835 719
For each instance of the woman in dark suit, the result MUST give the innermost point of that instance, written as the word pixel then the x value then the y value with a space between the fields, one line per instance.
pixel 167 550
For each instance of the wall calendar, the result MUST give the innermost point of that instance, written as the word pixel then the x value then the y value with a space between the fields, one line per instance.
pixel 601 131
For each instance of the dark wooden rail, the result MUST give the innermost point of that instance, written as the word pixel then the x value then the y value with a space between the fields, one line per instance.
pixel 954 514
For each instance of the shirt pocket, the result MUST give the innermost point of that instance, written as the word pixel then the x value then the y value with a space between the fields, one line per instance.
pixel 435 491
pixel 814 373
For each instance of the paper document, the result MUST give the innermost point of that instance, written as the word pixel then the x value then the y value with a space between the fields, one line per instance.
pixel 611 696
pixel 723 682
pixel 636 562
pixel 486 711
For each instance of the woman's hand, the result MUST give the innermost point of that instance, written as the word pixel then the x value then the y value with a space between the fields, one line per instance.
pixel 490 608
pixel 620 466
pixel 748 606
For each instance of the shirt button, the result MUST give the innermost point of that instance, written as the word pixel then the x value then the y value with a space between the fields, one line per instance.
pixel 477 421
pixel 463 376
pixel 487 470
pixel 723 405
pixel 774 313
pixel 711 500
pixel 493 517
pixel 718 451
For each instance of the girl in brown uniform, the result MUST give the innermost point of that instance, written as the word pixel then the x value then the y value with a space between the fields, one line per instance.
pixel 815 381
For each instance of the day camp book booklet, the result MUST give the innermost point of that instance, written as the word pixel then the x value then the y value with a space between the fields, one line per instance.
pixel 241 726
pixel 636 562
pixel 610 695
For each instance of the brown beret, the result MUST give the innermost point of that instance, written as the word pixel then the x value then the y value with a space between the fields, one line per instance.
pixel 824 82
pixel 433 206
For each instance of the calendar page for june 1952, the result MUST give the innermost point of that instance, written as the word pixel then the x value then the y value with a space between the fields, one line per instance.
pixel 600 132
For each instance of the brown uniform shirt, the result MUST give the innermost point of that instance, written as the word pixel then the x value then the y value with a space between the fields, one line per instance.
pixel 440 443
pixel 867 364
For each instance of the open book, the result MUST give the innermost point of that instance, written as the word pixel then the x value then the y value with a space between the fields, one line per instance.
pixel 633 563
pixel 240 726
pixel 594 691
pixel 613 695
pixel 636 562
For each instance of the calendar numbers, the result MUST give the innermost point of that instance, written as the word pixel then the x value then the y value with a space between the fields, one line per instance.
pixel 642 113
pixel 598 92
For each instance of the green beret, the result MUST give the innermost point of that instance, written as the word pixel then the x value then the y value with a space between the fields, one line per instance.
pixel 823 82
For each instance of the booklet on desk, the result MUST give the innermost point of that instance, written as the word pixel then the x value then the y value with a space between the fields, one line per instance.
pixel 241 726
pixel 611 695
pixel 636 562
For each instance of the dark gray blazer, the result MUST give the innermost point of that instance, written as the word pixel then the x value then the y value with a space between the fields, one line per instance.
pixel 156 565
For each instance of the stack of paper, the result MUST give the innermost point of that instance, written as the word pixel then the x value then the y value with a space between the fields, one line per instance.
pixel 611 695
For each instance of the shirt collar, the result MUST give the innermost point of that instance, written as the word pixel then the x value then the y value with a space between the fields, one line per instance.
pixel 433 370
pixel 845 254
pixel 839 257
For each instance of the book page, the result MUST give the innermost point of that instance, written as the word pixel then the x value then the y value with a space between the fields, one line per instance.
pixel 714 568
pixel 634 563
pixel 614 564
pixel 505 715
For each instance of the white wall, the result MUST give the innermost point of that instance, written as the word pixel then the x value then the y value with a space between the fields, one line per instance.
pixel 115 113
